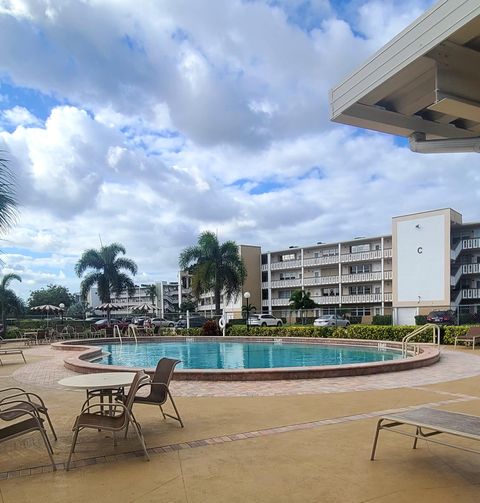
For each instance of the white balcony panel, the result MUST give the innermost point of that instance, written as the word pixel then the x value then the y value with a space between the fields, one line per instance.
pixel 361 299
pixel 387 253
pixel 280 302
pixel 387 297
pixel 329 259
pixel 469 244
pixel 264 267
pixel 357 278
pixel 387 274
pixel 470 268
pixel 287 283
pixel 358 257
pixel 290 264
pixel 325 280
pixel 471 293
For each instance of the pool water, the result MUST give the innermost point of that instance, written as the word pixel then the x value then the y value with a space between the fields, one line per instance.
pixel 240 355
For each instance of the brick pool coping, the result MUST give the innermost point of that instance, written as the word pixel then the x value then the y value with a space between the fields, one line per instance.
pixel 81 362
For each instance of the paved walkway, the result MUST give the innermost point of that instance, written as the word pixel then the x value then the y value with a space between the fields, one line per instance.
pixel 452 366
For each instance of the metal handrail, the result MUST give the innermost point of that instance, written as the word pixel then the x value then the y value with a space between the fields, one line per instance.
pixel 133 329
pixel 423 328
pixel 117 329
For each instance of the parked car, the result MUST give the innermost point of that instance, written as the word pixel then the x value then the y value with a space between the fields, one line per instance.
pixel 264 320
pixel 195 321
pixel 162 322
pixel 331 320
pixel 441 317
pixel 103 323
pixel 140 320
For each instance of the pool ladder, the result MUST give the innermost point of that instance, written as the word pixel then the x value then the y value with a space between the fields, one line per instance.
pixel 415 347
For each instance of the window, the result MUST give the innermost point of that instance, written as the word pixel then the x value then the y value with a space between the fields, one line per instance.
pixel 361 311
pixel 284 294
pixel 329 292
pixel 288 256
pixel 328 310
pixel 287 275
pixel 360 248
pixel 360 290
pixel 378 289
pixel 315 255
pixel 360 269
pixel 330 252
pixel 317 274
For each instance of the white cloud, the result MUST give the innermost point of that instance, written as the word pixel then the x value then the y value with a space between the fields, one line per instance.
pixel 19 116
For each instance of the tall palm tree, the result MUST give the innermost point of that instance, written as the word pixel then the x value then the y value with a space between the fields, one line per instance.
pixel 301 301
pixel 151 291
pixel 214 267
pixel 107 273
pixel 8 200
pixel 8 299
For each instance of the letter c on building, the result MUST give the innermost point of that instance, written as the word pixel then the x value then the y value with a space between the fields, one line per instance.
pixel 420 250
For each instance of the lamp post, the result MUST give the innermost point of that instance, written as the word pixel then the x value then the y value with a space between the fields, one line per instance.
pixel 62 307
pixel 246 295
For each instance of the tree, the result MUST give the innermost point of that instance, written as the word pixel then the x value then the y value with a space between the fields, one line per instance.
pixel 151 291
pixel 107 272
pixel 8 201
pixel 51 294
pixel 188 305
pixel 8 298
pixel 301 301
pixel 78 310
pixel 214 267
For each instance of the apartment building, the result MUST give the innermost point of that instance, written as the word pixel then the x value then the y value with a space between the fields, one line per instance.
pixel 355 274
pixel 166 299
pixel 251 256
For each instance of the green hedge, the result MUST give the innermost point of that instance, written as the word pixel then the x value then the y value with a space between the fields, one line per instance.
pixel 380 319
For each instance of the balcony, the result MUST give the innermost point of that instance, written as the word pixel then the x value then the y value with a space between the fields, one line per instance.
pixel 283 283
pixel 470 293
pixel 471 269
pixel 328 259
pixel 366 276
pixel 359 257
pixel 363 299
pixel 325 280
pixel 290 264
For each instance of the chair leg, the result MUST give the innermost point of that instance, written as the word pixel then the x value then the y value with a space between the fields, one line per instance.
pixel 375 440
pixel 139 433
pixel 51 425
pixel 416 438
pixel 72 449
pixel 163 413
pixel 178 418
pixel 49 448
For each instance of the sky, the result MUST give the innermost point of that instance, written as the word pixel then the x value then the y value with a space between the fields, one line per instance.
pixel 148 123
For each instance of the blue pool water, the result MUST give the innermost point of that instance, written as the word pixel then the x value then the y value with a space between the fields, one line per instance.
pixel 239 355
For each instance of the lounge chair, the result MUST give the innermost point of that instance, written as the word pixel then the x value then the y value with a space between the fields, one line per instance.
pixel 473 333
pixel 159 391
pixel 25 401
pixel 10 351
pixel 33 423
pixel 435 421
pixel 112 417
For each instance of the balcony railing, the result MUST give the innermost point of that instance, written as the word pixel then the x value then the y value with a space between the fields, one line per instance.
pixel 289 264
pixel 326 260
pixel 283 283
pixel 322 280
pixel 470 268
pixel 358 257
pixel 357 278
pixel 336 299
pixel 471 293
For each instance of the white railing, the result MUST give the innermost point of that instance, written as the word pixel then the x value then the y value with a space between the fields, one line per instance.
pixel 322 280
pixel 415 347
pixel 387 274
pixel 356 257
pixel 470 293
pixel 116 331
pixel 364 276
pixel 132 332
pixel 289 264
pixel 387 297
pixel 456 251
pixel 387 253
pixel 454 279
pixel 326 260
pixel 469 244
pixel 361 299
pixel 285 283
pixel 470 268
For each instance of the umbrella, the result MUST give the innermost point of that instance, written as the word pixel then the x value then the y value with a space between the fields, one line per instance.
pixel 144 308
pixel 47 308
pixel 108 306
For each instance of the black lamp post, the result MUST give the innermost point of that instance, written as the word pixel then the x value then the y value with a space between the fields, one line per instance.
pixel 247 308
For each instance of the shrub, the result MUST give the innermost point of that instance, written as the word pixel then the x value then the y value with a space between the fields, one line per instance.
pixel 210 329
pixel 420 319
pixel 13 333
pixel 382 319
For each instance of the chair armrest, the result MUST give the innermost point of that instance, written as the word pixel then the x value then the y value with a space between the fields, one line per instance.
pixel 27 394
pixel 111 406
pixel 32 412
pixel 12 389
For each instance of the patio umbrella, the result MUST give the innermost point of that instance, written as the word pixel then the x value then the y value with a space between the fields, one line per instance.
pixel 47 308
pixel 144 308
pixel 108 306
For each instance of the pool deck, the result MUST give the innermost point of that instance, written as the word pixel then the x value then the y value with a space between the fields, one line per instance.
pixel 271 441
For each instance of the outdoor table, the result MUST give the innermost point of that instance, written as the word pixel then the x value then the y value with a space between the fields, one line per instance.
pixel 101 384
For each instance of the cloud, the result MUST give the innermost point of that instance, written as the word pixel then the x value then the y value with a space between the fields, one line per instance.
pixel 19 116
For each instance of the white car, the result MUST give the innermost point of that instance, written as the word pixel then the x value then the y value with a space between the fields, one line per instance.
pixel 162 322
pixel 264 320
pixel 331 320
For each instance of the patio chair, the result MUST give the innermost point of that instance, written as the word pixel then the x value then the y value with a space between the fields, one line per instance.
pixel 33 423
pixel 10 351
pixel 435 421
pixel 112 417
pixel 26 401
pixel 42 336
pixel 159 388
pixel 473 333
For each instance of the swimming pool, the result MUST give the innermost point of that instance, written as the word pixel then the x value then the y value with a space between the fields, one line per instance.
pixel 241 355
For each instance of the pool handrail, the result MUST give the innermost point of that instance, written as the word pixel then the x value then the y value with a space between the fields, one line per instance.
pixel 436 338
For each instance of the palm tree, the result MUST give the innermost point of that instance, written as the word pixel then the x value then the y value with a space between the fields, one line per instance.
pixel 151 291
pixel 107 274
pixel 8 299
pixel 8 201
pixel 214 266
pixel 301 301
